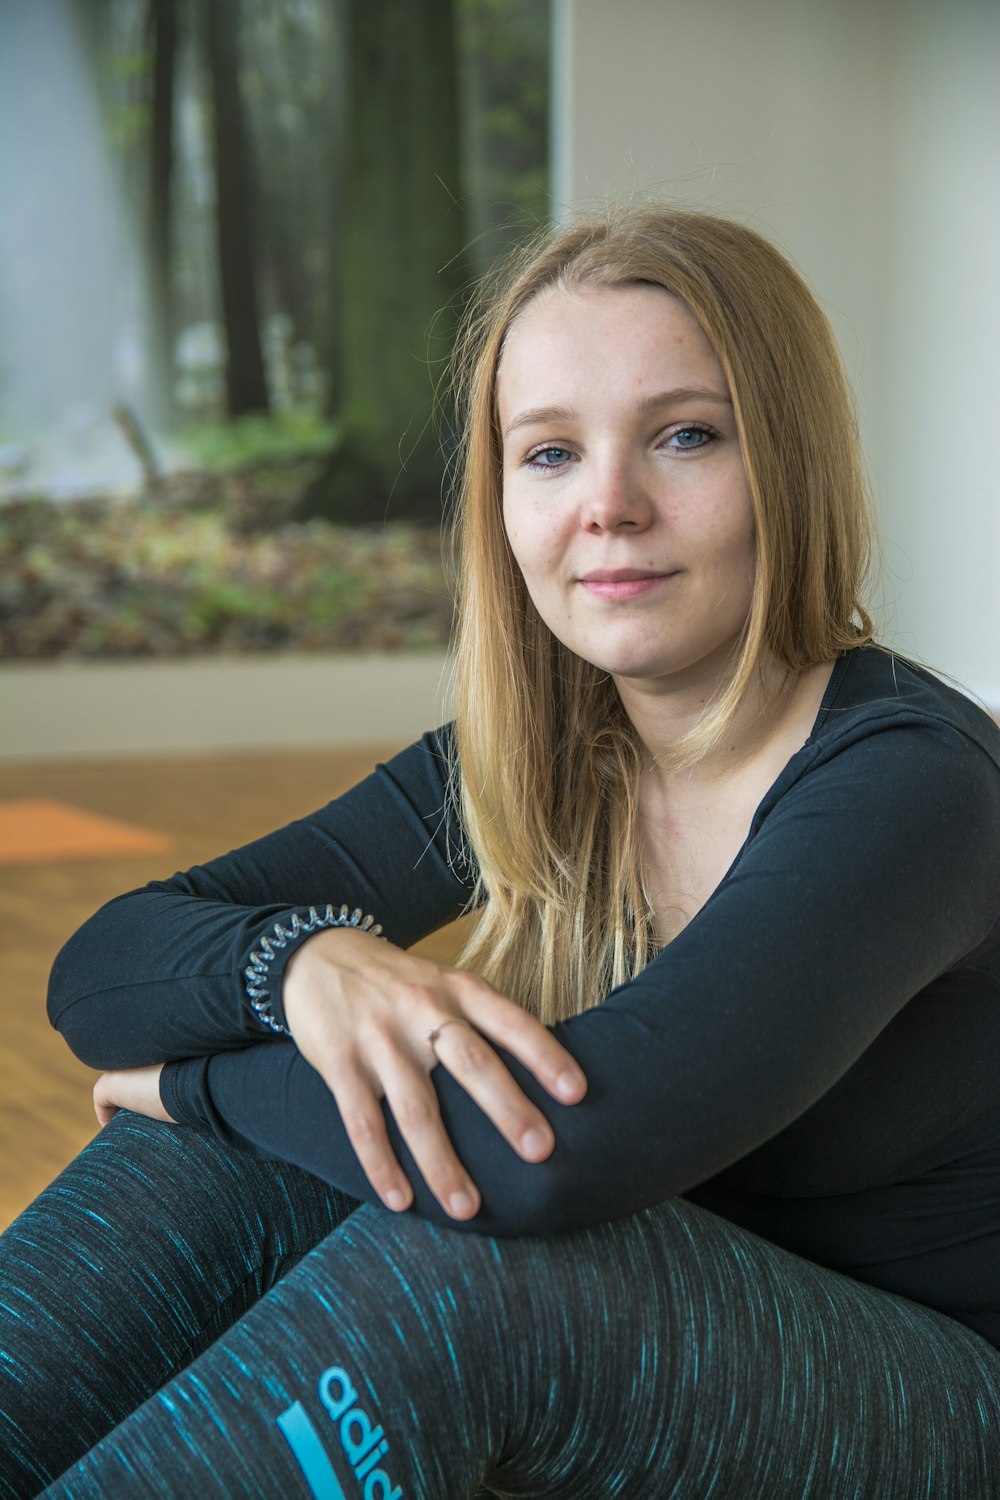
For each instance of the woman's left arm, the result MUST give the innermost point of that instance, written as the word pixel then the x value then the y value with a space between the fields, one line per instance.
pixel 872 875
pixel 161 972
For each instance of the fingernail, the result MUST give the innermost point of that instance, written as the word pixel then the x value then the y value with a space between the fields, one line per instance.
pixel 460 1204
pixel 534 1141
pixel 567 1085
pixel 395 1200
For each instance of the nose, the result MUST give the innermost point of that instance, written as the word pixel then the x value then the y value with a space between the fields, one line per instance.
pixel 618 500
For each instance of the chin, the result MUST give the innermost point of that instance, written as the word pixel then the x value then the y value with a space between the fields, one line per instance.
pixel 631 668
pixel 702 667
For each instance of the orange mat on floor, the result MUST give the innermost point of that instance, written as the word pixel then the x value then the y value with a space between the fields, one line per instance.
pixel 33 830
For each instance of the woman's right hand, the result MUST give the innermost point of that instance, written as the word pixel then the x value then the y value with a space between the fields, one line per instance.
pixel 360 1010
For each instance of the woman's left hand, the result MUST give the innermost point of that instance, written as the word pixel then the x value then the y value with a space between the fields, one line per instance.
pixel 136 1089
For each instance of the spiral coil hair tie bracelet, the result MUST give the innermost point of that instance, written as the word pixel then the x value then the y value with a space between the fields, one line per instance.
pixel 257 974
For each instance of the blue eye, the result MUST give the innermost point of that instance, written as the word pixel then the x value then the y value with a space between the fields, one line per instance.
pixel 548 458
pixel 690 437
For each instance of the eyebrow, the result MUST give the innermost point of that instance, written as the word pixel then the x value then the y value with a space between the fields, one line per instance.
pixel 662 398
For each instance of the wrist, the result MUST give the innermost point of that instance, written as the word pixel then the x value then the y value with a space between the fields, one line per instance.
pixel 267 964
pixel 317 960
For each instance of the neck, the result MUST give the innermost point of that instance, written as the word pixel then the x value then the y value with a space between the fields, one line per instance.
pixel 776 704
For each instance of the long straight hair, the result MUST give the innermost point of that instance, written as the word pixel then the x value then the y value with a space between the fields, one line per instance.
pixel 548 762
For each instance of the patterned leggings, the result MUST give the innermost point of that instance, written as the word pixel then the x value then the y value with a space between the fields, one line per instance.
pixel 180 1320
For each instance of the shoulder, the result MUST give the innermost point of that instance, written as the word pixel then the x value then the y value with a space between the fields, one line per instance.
pixel 433 754
pixel 425 773
pixel 874 691
pixel 908 758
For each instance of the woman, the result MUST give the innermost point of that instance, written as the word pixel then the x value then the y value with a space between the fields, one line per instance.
pixel 738 880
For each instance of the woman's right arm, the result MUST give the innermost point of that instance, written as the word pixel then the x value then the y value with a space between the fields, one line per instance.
pixel 160 973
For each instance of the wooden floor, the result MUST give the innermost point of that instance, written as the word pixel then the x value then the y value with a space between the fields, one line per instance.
pixel 203 806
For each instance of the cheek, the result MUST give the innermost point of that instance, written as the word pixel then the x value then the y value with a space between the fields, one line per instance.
pixel 722 541
pixel 728 530
pixel 743 556
pixel 529 535
pixel 513 530
pixel 746 558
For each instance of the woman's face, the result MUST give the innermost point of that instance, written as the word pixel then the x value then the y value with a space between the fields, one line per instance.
pixel 624 494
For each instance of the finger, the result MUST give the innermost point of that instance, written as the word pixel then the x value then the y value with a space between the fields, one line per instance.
pixel 474 1064
pixel 413 1102
pixel 530 1042
pixel 361 1114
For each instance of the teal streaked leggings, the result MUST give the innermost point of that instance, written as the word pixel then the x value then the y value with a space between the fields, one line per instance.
pixel 349 1354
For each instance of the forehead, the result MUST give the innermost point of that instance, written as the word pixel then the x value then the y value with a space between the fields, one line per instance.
pixel 582 344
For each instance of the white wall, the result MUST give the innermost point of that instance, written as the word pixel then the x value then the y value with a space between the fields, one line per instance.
pixel 863 136
pixel 101 708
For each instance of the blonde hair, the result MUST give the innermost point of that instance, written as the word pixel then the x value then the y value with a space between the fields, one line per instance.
pixel 547 760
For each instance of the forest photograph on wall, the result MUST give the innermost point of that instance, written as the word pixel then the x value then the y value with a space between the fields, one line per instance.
pixel 235 241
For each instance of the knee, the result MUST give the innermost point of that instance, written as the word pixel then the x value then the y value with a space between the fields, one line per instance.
pixel 400 1260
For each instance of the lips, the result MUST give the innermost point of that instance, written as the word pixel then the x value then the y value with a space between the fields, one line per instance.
pixel 623 583
pixel 621 575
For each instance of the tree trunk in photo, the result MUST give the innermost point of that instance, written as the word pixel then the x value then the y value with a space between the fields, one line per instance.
pixel 293 162
pixel 246 388
pixel 338 123
pixel 400 248
pixel 163 28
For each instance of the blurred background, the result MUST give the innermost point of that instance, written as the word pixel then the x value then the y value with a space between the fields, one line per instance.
pixel 234 239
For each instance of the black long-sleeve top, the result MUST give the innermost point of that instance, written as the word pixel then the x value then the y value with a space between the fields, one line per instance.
pixel 815 1056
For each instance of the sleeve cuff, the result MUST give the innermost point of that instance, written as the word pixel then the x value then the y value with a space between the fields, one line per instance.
pixel 265 965
pixel 182 1087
